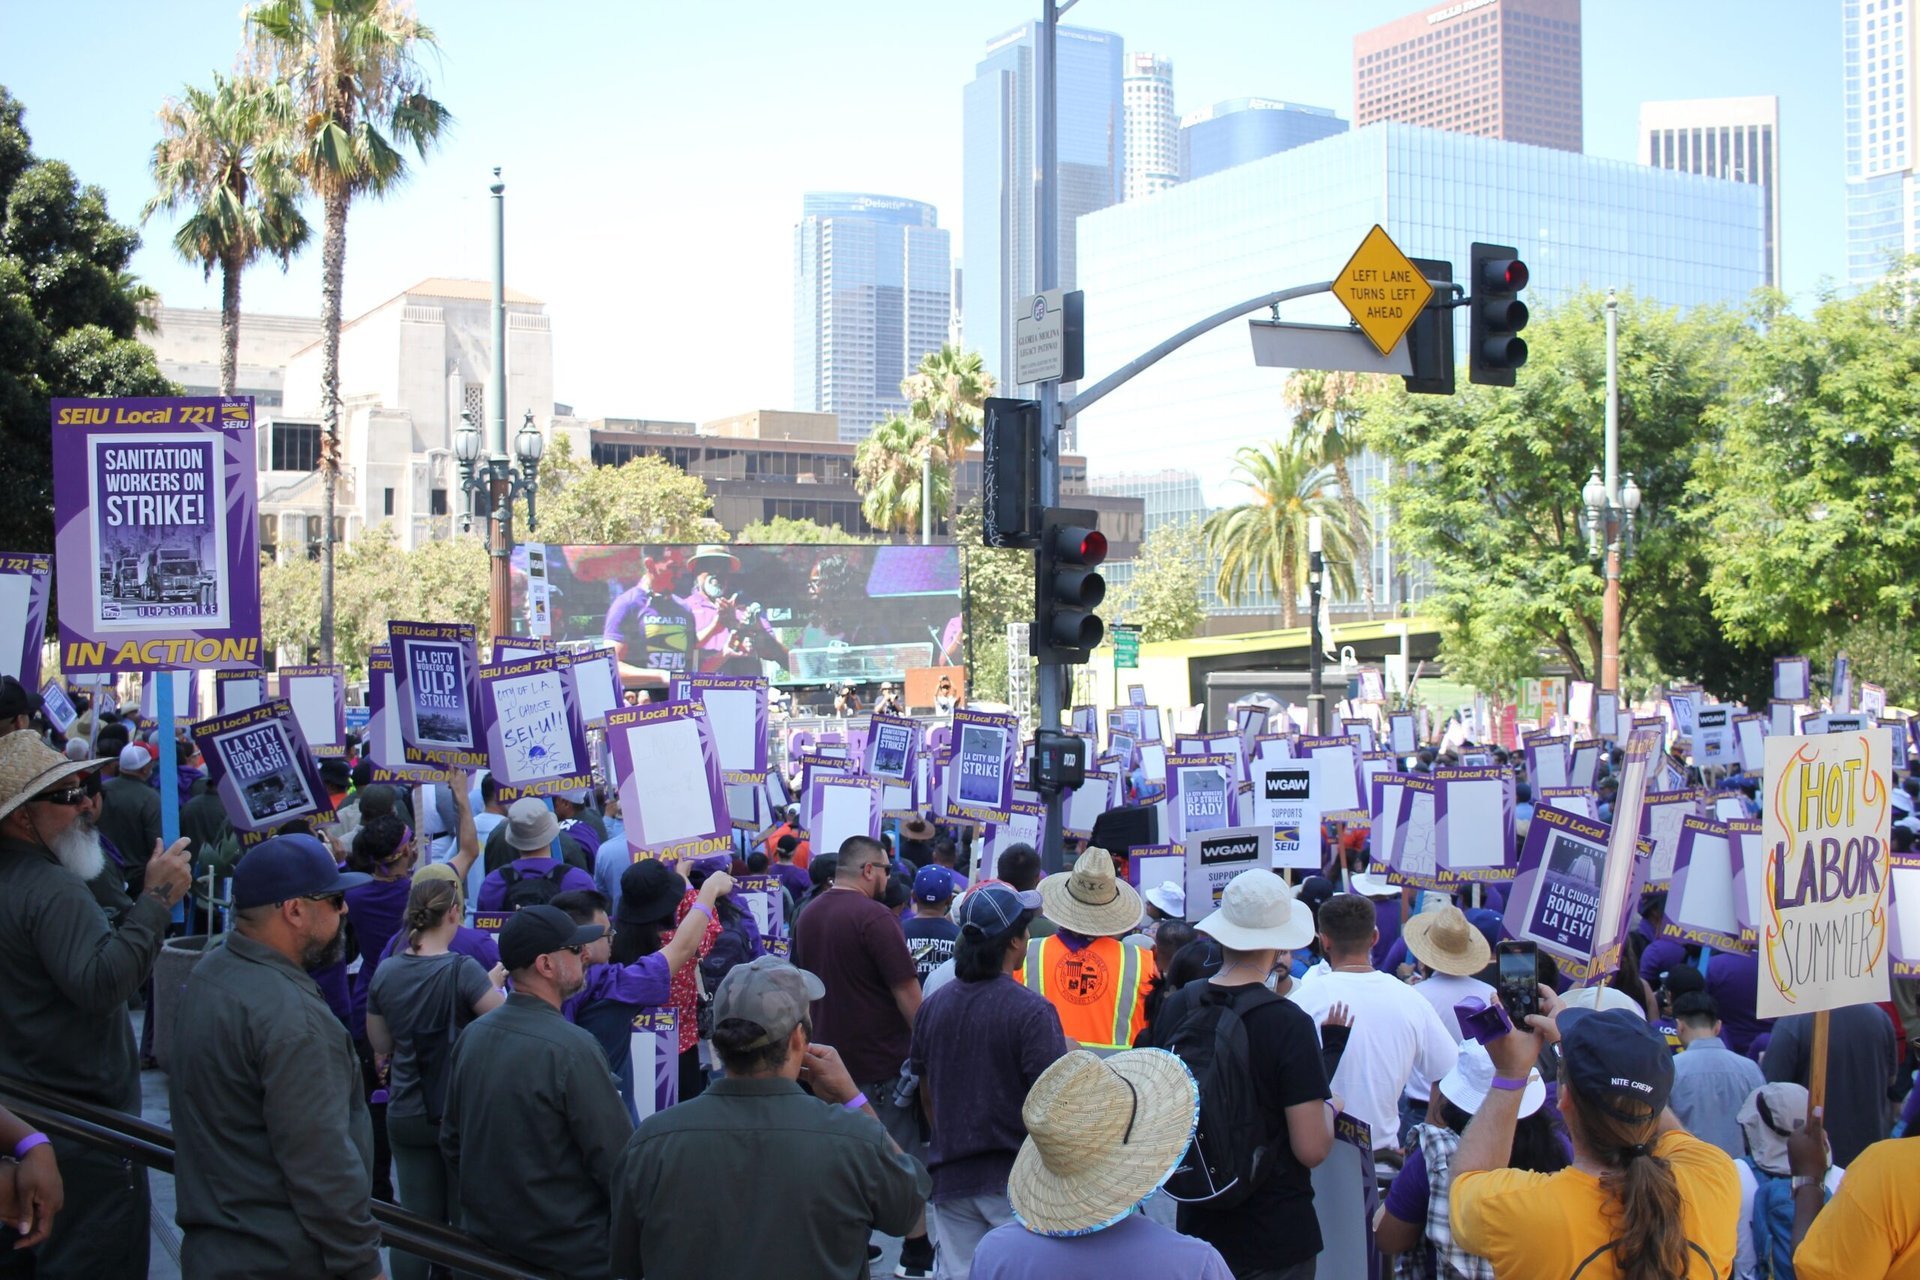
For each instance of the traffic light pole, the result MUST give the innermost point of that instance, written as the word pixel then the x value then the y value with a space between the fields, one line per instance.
pixel 1049 694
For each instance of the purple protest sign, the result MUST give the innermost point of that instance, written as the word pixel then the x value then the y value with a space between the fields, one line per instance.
pixel 1903 912
pixel 595 675
pixel 318 696
pixel 654 1056
pixel 1702 904
pixel 737 712
pixel 259 765
pixel 1747 845
pixel 1473 823
pixel 23 597
pixel 155 540
pixel 239 689
pixel 682 809
pixel 505 649
pixel 893 748
pixel 1561 884
pixel 436 682
pixel 839 807
pixel 1201 794
pixel 980 774
pixel 1412 853
pixel 385 747
pixel 536 745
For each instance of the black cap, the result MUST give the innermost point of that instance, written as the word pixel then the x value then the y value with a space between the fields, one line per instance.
pixel 16 699
pixel 539 930
pixel 1615 1061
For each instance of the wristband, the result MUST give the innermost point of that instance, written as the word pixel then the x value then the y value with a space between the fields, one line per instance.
pixel 28 1143
pixel 705 909
pixel 856 1102
pixel 1507 1082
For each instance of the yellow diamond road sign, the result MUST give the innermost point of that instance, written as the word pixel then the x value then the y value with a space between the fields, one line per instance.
pixel 1382 290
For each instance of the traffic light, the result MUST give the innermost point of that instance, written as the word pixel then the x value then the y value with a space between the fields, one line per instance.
pixel 1430 340
pixel 1010 473
pixel 1067 586
pixel 1496 349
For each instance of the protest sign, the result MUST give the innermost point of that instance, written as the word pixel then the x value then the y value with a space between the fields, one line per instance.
pixel 1473 822
pixel 1025 821
pixel 536 745
pixel 1827 825
pixel 1412 855
pixel 385 748
pixel 258 764
pixel 682 808
pixel 1086 802
pixel 1606 715
pixel 1792 679
pixel 1747 847
pixel 1660 824
pixel 238 690
pixel 505 649
pixel 1403 734
pixel 1840 689
pixel 1703 904
pixel 1283 799
pixel 1714 741
pixel 436 669
pixel 842 806
pixel 893 748
pixel 979 784
pixel 1562 889
pixel 1336 776
pixel 318 696
pixel 1361 731
pixel 1346 1197
pixel 183 699
pixel 1085 718
pixel 1873 699
pixel 595 675
pixel 23 597
pixel 1781 718
pixel 1574 800
pixel 1584 766
pixel 1216 856
pixel 763 898
pixel 737 713
pixel 1847 722
pixel 1201 795
pixel 654 1058
pixel 1547 760
pixel 1903 929
pixel 1580 702
pixel 57 707
pixel 1750 742
pixel 1136 695
pixel 1152 760
pixel 155 540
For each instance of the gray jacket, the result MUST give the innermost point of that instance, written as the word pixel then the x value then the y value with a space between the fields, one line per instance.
pixel 274 1147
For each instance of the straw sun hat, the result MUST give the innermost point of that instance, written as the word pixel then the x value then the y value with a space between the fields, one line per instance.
pixel 1101 1135
pixel 29 766
pixel 1090 899
pixel 1446 942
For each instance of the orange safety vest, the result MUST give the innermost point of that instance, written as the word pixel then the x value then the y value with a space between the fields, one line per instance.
pixel 1099 991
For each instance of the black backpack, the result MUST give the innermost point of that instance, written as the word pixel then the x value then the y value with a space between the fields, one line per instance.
pixel 525 891
pixel 1231 1152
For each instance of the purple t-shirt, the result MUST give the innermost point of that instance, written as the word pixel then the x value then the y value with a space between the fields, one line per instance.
pixel 377 910
pixel 976 1044
pixel 1386 917
pixel 656 629
pixel 478 943
pixel 1661 955
pixel 1134 1246
pixel 643 983
pixel 1407 1197
pixel 794 878
pixel 1733 980
pixel 493 890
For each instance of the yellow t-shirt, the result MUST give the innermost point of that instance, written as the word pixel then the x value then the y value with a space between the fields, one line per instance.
pixel 1547 1224
pixel 1871 1227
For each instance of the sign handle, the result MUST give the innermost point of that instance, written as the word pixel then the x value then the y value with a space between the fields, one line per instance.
pixel 1817 1064
pixel 167 747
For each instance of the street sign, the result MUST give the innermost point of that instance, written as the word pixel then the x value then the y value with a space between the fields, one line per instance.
pixel 1049 338
pixel 1281 344
pixel 1126 647
pixel 1382 290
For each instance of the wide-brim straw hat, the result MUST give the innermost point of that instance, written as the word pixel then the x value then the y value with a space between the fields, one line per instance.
pixel 708 552
pixel 1446 942
pixel 1091 900
pixel 29 766
pixel 1102 1134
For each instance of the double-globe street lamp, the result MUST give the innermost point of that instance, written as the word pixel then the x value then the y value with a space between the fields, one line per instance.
pixel 494 478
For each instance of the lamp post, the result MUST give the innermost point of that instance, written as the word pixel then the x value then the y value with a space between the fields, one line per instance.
pixel 492 477
pixel 1316 568
pixel 1611 502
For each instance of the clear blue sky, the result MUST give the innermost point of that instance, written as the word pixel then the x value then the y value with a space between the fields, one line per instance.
pixel 655 152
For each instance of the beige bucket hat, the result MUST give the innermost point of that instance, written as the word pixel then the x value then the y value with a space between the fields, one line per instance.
pixel 1091 899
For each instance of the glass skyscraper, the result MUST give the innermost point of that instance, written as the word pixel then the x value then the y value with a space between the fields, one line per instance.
pixel 871 295
pixel 1883 147
pixel 1242 129
pixel 1153 267
pixel 1000 157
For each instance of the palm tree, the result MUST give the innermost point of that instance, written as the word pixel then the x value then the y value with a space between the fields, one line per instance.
pixel 226 156
pixel 1261 545
pixel 359 90
pixel 1324 405
pixel 948 390
pixel 890 467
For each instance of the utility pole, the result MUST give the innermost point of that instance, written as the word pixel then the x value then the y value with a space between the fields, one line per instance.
pixel 1050 682
pixel 500 536
pixel 1610 602
pixel 1316 571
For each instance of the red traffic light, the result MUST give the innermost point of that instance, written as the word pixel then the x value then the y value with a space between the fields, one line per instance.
pixel 1503 275
pixel 1078 545
pixel 1093 547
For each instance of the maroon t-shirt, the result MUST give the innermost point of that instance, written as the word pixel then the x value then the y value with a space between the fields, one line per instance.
pixel 855 947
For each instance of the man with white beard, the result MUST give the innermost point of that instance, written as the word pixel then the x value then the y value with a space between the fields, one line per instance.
pixel 63 1003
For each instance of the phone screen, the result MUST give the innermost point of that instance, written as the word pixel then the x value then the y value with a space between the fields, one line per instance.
pixel 1519 980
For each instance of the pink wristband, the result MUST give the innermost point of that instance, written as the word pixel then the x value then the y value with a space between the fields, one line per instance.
pixel 28 1143
pixel 1507 1082
pixel 856 1102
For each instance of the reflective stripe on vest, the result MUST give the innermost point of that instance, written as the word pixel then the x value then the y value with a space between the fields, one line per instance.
pixel 1115 1020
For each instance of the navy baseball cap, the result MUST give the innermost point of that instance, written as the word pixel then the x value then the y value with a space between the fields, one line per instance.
pixel 535 931
pixel 994 908
pixel 288 867
pixel 932 884
pixel 1616 1061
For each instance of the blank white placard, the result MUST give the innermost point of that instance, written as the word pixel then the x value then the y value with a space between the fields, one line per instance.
pixel 1402 737
pixel 1550 767
pixel 1153 761
pixel 1085 804
pixel 593 685
pixel 390 750
pixel 313 707
pixel 670 774
pixel 733 714
pixel 1335 781
pixel 646 1071
pixel 1905 885
pixel 16 590
pixel 1585 766
pixel 844 811
pixel 1476 814
pixel 1728 808
pixel 244 695
pixel 1707 896
pixel 1791 680
pixel 1753 744
pixel 1753 871
pixel 743 803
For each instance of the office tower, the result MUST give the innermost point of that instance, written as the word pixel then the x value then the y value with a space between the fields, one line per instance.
pixel 1733 138
pixel 1000 157
pixel 1883 198
pixel 1242 129
pixel 1496 68
pixel 1152 128
pixel 871 295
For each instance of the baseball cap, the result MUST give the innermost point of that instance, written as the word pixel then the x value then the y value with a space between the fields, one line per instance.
pixel 995 908
pixel 16 699
pixel 932 884
pixel 1616 1062
pixel 579 795
pixel 535 931
pixel 288 867
pixel 769 992
pixel 135 755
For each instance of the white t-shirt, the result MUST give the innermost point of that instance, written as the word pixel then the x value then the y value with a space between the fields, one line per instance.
pixel 483 826
pixel 1443 991
pixel 1394 1032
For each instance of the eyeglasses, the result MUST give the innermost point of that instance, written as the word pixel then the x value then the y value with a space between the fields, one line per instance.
pixel 337 901
pixel 66 796
pixel 574 951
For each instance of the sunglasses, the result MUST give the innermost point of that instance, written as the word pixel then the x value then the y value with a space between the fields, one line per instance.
pixel 337 901
pixel 67 796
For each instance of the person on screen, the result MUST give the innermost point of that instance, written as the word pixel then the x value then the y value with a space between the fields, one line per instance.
pixel 732 635
pixel 943 700
pixel 649 629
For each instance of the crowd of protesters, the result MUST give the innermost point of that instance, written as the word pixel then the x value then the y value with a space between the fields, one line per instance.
pixel 1016 1075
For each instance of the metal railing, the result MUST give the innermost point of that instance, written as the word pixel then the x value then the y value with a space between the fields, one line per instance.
pixel 56 1113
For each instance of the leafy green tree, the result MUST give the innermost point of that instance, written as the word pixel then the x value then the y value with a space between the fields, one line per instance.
pixel 890 467
pixel 361 96
pixel 226 156
pixel 1327 405
pixel 645 499
pixel 1491 498
pixel 785 529
pixel 1163 597
pixel 1261 544
pixel 69 310
pixel 948 390
pixel 996 588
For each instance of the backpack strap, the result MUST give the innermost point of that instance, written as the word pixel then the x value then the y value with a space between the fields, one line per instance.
pixel 1587 1261
pixel 509 875
pixel 557 874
